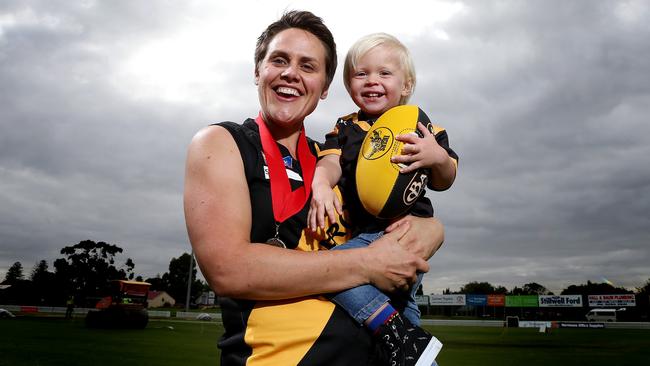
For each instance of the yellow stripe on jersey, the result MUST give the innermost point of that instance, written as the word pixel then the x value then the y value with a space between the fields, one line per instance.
pixel 282 332
pixel 325 152
pixel 364 125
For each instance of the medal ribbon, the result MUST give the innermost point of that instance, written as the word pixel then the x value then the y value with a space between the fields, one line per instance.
pixel 285 201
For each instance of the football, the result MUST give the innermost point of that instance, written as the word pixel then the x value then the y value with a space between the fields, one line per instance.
pixel 382 189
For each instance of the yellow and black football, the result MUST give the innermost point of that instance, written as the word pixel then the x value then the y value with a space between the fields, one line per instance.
pixel 383 190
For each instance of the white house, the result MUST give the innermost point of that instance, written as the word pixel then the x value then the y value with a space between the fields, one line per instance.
pixel 157 299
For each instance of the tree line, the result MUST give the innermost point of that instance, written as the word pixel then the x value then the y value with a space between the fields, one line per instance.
pixel 534 288
pixel 85 272
pixel 86 269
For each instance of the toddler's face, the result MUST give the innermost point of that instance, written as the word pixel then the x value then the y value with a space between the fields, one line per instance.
pixel 378 82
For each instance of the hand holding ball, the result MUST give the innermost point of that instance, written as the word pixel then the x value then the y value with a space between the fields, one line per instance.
pixel 383 190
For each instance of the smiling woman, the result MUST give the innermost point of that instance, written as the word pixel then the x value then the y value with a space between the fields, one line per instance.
pixel 249 185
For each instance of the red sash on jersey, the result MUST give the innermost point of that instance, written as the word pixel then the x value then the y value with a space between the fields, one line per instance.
pixel 285 201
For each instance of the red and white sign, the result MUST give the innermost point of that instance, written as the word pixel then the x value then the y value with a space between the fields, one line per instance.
pixel 612 300
pixel 496 300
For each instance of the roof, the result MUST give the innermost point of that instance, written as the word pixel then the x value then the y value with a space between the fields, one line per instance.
pixel 129 282
pixel 154 294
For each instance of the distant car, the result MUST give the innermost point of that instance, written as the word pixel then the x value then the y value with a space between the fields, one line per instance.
pixel 204 316
pixel 6 314
pixel 601 315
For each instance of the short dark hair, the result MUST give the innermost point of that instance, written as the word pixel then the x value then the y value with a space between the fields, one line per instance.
pixel 304 20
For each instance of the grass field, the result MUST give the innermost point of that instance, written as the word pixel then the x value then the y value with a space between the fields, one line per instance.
pixel 31 341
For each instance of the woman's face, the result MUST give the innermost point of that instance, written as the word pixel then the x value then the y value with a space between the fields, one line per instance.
pixel 291 78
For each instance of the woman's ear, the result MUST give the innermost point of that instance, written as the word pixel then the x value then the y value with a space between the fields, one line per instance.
pixel 323 95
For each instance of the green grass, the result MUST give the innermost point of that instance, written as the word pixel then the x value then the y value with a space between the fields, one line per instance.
pixel 31 341
pixel 526 346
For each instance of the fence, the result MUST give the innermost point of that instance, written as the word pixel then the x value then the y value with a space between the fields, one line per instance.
pixel 45 310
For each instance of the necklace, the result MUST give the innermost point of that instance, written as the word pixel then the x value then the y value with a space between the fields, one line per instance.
pixel 285 201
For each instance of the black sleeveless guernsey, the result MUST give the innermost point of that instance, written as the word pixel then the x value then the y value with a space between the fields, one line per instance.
pixel 303 331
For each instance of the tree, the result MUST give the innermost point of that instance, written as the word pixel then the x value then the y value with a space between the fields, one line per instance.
pixel 643 300
pixel 645 289
pixel 594 289
pixel 532 288
pixel 14 274
pixel 43 284
pixel 477 288
pixel 157 283
pixel 176 279
pixel 19 288
pixel 89 267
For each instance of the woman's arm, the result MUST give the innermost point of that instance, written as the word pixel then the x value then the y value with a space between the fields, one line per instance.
pixel 425 236
pixel 218 218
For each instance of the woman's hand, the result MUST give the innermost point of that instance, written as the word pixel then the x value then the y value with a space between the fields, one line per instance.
pixel 424 237
pixel 389 265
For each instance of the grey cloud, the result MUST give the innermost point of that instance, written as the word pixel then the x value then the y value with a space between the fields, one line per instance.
pixel 545 102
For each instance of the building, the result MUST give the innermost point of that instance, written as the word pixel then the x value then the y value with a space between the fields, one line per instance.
pixel 157 299
pixel 207 299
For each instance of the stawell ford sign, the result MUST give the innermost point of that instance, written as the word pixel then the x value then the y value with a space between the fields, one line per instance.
pixel 561 301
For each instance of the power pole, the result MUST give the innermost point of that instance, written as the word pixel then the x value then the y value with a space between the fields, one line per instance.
pixel 189 282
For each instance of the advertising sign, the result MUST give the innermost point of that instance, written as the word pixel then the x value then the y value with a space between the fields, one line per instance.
pixel 581 325
pixel 476 300
pixel 612 300
pixel 496 300
pixel 523 301
pixel 458 299
pixel 422 299
pixel 561 301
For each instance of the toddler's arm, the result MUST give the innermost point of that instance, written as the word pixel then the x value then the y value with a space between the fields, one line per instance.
pixel 324 200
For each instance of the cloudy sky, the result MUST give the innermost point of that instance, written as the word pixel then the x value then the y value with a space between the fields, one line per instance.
pixel 546 102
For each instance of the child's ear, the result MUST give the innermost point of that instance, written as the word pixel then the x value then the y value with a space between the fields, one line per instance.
pixel 407 88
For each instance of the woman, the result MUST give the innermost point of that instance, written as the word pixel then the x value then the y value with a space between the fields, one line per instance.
pixel 248 184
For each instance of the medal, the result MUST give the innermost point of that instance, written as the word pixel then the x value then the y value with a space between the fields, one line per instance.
pixel 276 241
pixel 285 202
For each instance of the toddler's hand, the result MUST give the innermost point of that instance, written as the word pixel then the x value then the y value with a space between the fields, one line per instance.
pixel 419 152
pixel 323 202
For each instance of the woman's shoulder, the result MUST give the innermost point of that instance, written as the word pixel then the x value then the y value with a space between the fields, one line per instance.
pixel 218 133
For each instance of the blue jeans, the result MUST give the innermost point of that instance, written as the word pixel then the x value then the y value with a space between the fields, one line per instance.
pixel 362 301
